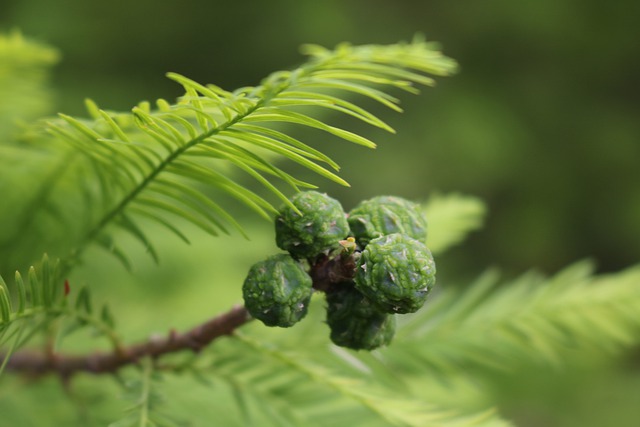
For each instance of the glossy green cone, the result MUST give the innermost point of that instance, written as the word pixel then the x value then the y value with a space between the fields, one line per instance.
pixel 396 273
pixel 277 291
pixel 355 322
pixel 319 226
pixel 384 215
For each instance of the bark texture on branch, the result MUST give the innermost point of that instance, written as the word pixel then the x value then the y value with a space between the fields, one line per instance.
pixel 39 363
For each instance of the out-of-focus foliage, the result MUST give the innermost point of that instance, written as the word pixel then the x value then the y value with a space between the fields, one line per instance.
pixel 450 218
pixel 542 123
pixel 24 70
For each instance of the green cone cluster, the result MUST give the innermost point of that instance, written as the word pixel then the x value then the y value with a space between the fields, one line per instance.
pixel 391 270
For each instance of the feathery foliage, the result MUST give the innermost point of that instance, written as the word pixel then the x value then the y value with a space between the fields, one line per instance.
pixel 302 384
pixel 40 303
pixel 166 163
pixel 69 183
pixel 35 296
pixel 144 410
pixel 532 319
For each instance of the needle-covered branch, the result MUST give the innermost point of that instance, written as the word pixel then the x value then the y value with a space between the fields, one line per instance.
pixel 36 363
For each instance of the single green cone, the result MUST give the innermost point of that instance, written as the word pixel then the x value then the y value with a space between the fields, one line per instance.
pixel 396 273
pixel 277 291
pixel 318 227
pixel 384 215
pixel 355 322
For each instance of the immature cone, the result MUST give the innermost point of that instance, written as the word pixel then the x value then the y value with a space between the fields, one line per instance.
pixel 319 226
pixel 396 273
pixel 384 215
pixel 277 291
pixel 356 322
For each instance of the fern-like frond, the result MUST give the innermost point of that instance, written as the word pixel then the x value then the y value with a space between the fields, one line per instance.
pixel 461 334
pixel 290 389
pixel 531 319
pixel 38 292
pixel 173 161
pixel 26 299
pixel 30 305
pixel 145 402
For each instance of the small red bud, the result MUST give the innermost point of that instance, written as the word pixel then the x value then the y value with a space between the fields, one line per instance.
pixel 67 288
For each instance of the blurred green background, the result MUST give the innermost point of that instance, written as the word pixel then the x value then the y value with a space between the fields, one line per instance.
pixel 542 122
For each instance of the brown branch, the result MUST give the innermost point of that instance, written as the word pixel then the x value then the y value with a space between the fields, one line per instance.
pixel 40 363
pixel 326 272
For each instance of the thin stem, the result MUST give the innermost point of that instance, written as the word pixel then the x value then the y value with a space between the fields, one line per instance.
pixel 146 389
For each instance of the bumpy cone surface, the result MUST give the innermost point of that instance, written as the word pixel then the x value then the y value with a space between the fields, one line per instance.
pixel 355 322
pixel 396 273
pixel 277 291
pixel 384 215
pixel 319 226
